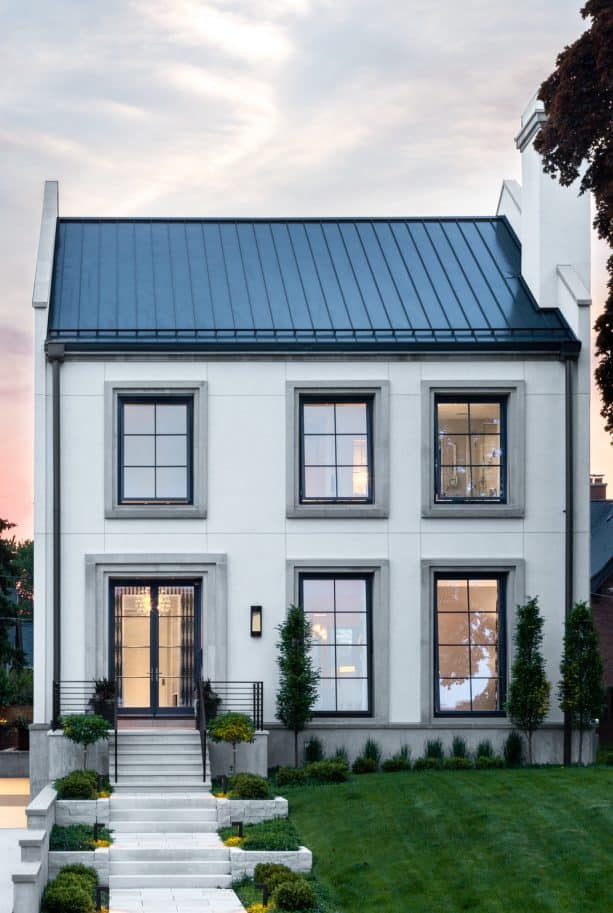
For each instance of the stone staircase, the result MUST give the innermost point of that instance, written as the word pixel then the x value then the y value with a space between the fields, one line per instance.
pixel 165 760
pixel 167 841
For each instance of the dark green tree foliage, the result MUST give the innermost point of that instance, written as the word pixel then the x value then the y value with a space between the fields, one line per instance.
pixel 581 690
pixel 9 572
pixel 297 678
pixel 528 700
pixel 578 99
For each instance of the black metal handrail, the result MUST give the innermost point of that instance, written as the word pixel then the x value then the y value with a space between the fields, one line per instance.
pixel 241 697
pixel 72 696
pixel 201 723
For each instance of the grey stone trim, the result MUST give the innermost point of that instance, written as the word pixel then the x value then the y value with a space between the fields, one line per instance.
pixel 515 391
pixel 379 390
pixel 380 627
pixel 112 391
pixel 210 569
pixel 514 568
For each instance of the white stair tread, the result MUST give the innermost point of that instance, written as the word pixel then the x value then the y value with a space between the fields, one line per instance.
pixel 181 900
pixel 166 842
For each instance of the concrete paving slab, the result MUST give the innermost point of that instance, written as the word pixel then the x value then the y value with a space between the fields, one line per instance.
pixel 10 860
pixel 175 901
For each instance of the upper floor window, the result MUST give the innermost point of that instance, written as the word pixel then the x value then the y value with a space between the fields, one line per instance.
pixel 469 644
pixel 336 450
pixel 155 450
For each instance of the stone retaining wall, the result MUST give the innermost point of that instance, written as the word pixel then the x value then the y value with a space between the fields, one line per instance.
pixel 98 859
pixel 250 811
pixel 243 862
pixel 82 811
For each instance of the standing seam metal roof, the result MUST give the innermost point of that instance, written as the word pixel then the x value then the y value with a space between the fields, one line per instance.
pixel 283 281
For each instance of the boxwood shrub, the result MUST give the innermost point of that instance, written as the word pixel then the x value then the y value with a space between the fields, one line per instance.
pixel 333 770
pixel 80 784
pixel 294 895
pixel 272 874
pixel 457 763
pixel 248 786
pixel 290 776
pixel 427 764
pixel 364 765
pixel 72 891
pixel 489 762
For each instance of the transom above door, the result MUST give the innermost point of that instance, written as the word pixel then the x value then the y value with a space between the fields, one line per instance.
pixel 156 636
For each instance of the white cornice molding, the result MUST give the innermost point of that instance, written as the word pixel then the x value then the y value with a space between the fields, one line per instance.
pixel 531 125
pixel 571 279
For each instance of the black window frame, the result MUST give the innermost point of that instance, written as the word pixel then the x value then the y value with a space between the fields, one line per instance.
pixel 502 402
pixel 369 580
pixel 126 399
pixel 502 579
pixel 332 399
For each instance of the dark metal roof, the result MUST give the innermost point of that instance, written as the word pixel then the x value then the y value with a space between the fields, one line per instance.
pixel 601 550
pixel 296 283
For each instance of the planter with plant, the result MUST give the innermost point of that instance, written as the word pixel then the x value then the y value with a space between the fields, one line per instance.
pixel 103 701
pixel 212 700
pixel 22 728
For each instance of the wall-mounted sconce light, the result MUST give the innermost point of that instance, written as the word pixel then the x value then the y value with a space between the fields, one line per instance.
pixel 256 620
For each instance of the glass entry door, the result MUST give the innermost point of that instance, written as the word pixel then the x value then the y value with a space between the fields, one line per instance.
pixel 156 633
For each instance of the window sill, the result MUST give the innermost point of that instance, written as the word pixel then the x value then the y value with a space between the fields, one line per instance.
pixel 154 512
pixel 329 511
pixel 472 510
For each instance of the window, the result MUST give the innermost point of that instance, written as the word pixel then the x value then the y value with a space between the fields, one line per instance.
pixel 475 449
pixel 470 447
pixel 469 644
pixel 155 450
pixel 336 451
pixel 339 610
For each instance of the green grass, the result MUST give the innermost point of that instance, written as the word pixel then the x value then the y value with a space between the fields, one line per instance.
pixel 531 841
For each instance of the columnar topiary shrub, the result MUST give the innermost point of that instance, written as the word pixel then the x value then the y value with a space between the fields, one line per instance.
pixel 232 728
pixel 581 691
pixel 528 700
pixel 297 677
pixel 85 729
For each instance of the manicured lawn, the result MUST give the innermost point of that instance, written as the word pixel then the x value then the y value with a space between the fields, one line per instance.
pixel 529 841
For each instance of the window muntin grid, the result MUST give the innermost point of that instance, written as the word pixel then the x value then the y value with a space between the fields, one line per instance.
pixel 470 449
pixel 155 450
pixel 469 644
pixel 336 450
pixel 339 610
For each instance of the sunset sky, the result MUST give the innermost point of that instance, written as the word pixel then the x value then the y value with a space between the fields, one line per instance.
pixel 242 108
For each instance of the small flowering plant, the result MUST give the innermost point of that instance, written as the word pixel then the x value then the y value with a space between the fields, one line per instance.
pixel 233 841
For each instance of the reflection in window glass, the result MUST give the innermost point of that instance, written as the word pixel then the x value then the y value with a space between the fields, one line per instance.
pixel 470 441
pixel 155 451
pixel 336 463
pixel 338 609
pixel 468 648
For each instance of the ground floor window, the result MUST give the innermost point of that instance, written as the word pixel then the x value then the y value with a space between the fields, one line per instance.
pixel 469 644
pixel 339 608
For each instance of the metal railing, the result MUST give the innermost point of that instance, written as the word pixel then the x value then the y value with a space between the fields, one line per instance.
pixel 201 723
pixel 241 697
pixel 72 697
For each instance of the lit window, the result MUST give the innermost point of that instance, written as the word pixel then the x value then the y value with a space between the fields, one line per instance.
pixel 336 457
pixel 338 609
pixel 155 452
pixel 470 449
pixel 469 644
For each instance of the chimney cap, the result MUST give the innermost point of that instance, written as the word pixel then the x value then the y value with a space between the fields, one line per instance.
pixel 531 120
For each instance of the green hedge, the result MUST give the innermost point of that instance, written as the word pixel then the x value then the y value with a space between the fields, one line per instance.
pixel 278 834
pixel 76 837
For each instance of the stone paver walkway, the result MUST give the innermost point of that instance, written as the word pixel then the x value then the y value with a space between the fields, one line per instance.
pixel 195 900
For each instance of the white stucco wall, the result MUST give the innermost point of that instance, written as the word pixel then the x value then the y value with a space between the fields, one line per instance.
pixel 247 512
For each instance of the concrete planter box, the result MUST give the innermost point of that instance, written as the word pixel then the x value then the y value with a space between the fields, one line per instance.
pixel 250 811
pixel 243 862
pixel 97 859
pixel 251 757
pixel 81 811
pixel 14 763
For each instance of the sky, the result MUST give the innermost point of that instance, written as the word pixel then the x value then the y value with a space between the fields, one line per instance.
pixel 245 108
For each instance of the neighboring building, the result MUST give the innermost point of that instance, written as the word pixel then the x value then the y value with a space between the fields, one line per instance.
pixel 385 420
pixel 602 591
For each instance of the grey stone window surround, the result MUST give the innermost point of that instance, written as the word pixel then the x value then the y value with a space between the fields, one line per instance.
pixel 514 572
pixel 208 569
pixel 378 390
pixel 515 394
pixel 113 390
pixel 379 568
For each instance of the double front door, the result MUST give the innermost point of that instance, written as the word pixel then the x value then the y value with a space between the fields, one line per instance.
pixel 156 635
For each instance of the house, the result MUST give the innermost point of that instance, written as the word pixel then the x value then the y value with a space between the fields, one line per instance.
pixel 385 420
pixel 602 591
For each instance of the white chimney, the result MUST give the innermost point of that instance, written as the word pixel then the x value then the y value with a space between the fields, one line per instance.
pixel 555 224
